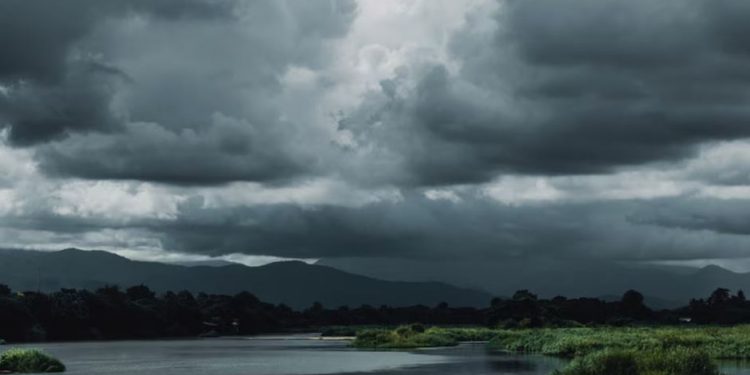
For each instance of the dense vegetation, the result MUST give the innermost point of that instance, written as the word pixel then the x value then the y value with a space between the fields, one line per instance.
pixel 673 350
pixel 416 336
pixel 623 338
pixel 674 361
pixel 29 361
pixel 593 350
pixel 718 342
pixel 138 312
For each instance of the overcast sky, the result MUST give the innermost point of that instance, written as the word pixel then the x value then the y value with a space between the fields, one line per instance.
pixel 474 129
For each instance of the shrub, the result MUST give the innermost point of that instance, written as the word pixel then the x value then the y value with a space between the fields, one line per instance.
pixel 679 361
pixel 29 360
pixel 405 337
pixel 718 342
pixel 603 363
pixel 417 327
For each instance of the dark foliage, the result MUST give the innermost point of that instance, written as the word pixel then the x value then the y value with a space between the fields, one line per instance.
pixel 720 308
pixel 139 313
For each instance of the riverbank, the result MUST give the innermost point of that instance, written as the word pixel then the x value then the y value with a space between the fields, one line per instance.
pixel 594 350
pixel 718 342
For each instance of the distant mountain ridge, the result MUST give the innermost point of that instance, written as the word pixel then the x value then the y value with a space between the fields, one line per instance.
pixel 338 282
pixel 663 286
pixel 294 283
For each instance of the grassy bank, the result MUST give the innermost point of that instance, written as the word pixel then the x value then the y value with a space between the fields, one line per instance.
pixel 416 336
pixel 717 342
pixel 674 361
pixel 594 351
pixel 29 361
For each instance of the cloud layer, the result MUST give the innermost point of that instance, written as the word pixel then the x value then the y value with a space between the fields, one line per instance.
pixel 476 129
pixel 564 88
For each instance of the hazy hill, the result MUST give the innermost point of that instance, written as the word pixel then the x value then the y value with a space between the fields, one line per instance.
pixel 336 282
pixel 294 283
pixel 663 286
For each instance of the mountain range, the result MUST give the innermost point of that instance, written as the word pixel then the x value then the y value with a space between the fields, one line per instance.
pixel 293 283
pixel 663 286
pixel 353 282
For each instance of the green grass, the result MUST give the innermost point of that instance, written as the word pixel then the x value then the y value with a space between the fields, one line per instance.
pixel 718 342
pixel 417 336
pixel 593 350
pixel 674 361
pixel 29 361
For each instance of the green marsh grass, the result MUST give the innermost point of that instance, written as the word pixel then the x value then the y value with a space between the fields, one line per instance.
pixel 416 336
pixel 718 342
pixel 674 361
pixel 671 350
pixel 29 361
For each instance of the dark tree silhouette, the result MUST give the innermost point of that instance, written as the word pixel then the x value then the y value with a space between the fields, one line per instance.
pixel 140 292
pixel 524 295
pixel 4 290
pixel 740 298
pixel 139 313
pixel 632 299
pixel 719 297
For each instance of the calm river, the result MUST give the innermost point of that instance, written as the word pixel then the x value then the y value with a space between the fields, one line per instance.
pixel 291 355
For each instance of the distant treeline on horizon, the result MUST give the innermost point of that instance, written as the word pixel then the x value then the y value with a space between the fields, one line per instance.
pixel 111 313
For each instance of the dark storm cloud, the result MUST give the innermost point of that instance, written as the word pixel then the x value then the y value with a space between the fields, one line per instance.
pixel 729 24
pixel 726 216
pixel 421 228
pixel 45 100
pixel 37 35
pixel 79 102
pixel 193 93
pixel 178 9
pixel 52 87
pixel 418 228
pixel 415 227
pixel 226 150
pixel 189 95
pixel 572 87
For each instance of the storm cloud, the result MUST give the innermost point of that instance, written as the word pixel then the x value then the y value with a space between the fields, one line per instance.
pixel 565 88
pixel 125 83
pixel 53 84
pixel 474 129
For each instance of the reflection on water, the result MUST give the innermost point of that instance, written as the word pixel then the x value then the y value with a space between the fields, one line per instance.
pixel 735 367
pixel 513 365
pixel 295 355
pixel 476 360
pixel 235 356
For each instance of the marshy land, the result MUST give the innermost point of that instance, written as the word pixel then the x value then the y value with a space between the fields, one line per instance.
pixel 591 350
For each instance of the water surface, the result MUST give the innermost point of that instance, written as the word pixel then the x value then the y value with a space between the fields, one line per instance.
pixel 294 355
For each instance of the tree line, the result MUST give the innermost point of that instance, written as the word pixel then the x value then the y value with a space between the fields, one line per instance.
pixel 137 312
